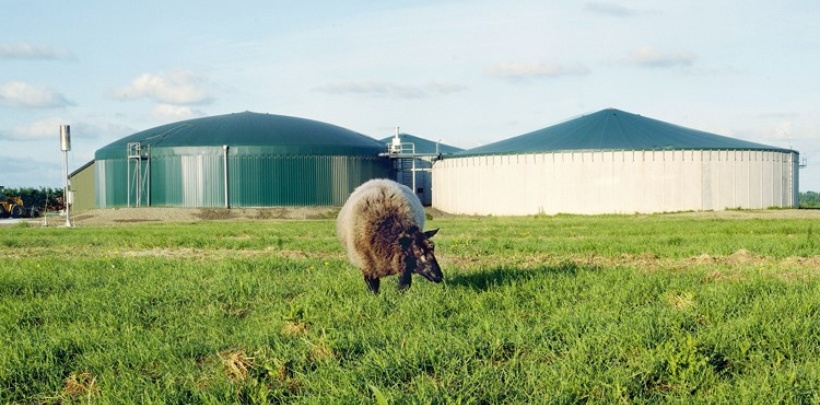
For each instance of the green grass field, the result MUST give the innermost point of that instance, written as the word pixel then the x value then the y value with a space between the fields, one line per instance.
pixel 563 309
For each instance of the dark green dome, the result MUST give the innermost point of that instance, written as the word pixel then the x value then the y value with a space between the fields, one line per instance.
pixel 612 129
pixel 275 134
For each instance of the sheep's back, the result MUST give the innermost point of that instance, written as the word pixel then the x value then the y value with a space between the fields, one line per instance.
pixel 376 213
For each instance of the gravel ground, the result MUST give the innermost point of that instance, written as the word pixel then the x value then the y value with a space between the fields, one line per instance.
pixel 11 221
pixel 123 216
pixel 748 214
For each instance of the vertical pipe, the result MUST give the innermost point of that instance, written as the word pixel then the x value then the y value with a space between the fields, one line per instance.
pixel 413 171
pixel 796 180
pixel 225 174
pixel 65 146
pixel 138 180
pixel 66 191
pixel 148 177
pixel 128 177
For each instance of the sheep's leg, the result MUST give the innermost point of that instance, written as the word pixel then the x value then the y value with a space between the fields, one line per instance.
pixel 405 280
pixel 372 283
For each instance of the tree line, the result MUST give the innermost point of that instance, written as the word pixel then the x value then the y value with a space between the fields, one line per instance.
pixel 810 199
pixel 44 197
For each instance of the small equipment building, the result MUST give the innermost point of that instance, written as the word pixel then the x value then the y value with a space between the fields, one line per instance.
pixel 413 158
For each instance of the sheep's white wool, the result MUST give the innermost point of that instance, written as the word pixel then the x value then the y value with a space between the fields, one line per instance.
pixel 374 202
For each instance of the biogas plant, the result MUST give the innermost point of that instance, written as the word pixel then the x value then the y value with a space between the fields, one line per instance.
pixel 610 161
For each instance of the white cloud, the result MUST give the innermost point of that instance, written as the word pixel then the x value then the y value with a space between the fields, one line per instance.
pixel 789 131
pixel 179 87
pixel 40 130
pixel 49 130
pixel 649 57
pixel 526 71
pixel 391 90
pixel 26 51
pixel 23 95
pixel 173 113
pixel 611 9
pixel 783 130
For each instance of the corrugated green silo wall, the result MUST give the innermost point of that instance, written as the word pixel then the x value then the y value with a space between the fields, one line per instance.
pixel 273 180
pixel 196 178
pixel 110 183
pixel 187 181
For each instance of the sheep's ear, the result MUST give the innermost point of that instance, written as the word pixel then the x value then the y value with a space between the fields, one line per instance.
pixel 432 233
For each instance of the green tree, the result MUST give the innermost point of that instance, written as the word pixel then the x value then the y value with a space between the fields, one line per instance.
pixel 809 199
pixel 36 197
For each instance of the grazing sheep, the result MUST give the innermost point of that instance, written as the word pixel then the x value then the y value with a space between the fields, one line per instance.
pixel 380 227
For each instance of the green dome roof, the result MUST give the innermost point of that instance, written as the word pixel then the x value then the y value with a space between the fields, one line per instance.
pixel 273 134
pixel 613 129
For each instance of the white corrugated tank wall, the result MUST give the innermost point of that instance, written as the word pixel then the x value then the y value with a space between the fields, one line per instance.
pixel 618 182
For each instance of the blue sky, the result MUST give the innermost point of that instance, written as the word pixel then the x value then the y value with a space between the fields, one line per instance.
pixel 465 72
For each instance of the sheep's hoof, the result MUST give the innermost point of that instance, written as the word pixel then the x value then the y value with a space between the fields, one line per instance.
pixel 373 284
pixel 405 280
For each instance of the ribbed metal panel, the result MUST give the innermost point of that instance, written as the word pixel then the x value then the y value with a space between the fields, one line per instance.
pixel 82 185
pixel 111 191
pixel 254 180
pixel 100 187
pixel 615 182
pixel 187 181
pixel 281 180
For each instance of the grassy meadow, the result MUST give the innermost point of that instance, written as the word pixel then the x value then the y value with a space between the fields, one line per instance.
pixel 545 309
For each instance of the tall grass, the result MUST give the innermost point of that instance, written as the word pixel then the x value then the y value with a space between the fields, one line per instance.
pixel 543 309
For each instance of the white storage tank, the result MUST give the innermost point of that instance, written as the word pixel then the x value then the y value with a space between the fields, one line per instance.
pixel 615 162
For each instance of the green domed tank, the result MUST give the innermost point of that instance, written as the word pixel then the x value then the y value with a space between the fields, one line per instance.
pixel 237 160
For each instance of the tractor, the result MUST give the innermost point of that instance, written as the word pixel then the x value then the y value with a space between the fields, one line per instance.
pixel 15 208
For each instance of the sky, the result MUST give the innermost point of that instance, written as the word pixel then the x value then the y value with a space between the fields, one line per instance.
pixel 465 72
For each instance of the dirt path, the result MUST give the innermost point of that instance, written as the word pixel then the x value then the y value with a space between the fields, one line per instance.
pixel 121 216
pixel 117 216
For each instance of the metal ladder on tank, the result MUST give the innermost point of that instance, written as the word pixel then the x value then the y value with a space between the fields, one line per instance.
pixel 140 179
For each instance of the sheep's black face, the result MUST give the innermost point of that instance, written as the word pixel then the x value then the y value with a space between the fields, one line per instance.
pixel 423 251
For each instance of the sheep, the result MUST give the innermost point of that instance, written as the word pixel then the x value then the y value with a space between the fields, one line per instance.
pixel 380 228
